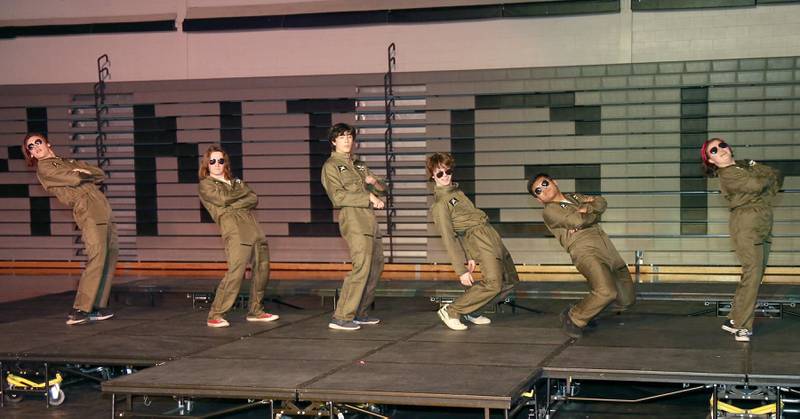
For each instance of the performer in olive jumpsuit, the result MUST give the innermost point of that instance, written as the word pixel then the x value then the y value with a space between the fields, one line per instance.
pixel 76 184
pixel 464 228
pixel 230 201
pixel 750 190
pixel 353 189
pixel 573 219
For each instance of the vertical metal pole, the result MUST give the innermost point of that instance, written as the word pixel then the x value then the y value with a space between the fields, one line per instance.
pixel 778 409
pixel 271 409
pixel 486 413
pixel 46 385
pixel 113 405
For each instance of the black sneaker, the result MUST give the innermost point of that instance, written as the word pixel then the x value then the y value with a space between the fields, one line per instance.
pixel 568 326
pixel 101 314
pixel 77 317
pixel 592 324
pixel 742 335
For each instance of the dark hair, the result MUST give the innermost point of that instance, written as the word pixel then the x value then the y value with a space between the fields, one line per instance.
pixel 30 160
pixel 339 129
pixel 532 180
pixel 438 159
pixel 226 169
pixel 709 169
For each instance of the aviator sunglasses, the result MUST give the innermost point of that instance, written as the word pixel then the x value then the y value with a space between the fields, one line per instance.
pixel 33 144
pixel 447 172
pixel 214 161
pixel 538 191
pixel 714 149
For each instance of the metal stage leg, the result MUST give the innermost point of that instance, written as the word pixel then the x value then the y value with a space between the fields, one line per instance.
pixel 486 413
pixel 2 385
pixel 47 385
pixel 778 410
pixel 714 404
pixel 113 405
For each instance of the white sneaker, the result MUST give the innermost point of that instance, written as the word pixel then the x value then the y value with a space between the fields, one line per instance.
pixel 450 322
pixel 481 319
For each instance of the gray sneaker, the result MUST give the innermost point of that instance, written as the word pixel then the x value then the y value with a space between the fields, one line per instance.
pixel 366 320
pixel 569 328
pixel 343 325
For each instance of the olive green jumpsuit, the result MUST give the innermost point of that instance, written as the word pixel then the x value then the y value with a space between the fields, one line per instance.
pixel 592 253
pixel 230 205
pixel 344 182
pixel 750 190
pixel 466 229
pixel 92 214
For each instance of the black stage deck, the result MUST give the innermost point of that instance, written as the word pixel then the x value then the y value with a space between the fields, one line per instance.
pixel 411 358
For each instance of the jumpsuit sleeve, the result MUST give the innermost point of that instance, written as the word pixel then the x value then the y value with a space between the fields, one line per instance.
pixel 568 218
pixel 247 199
pixel 212 194
pixel 743 181
pixel 51 176
pixel 339 195
pixel 598 205
pixel 453 246
pixel 377 191
pixel 98 175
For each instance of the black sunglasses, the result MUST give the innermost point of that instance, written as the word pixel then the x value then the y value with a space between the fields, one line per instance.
pixel 447 172
pixel 538 191
pixel 720 145
pixel 34 143
pixel 214 161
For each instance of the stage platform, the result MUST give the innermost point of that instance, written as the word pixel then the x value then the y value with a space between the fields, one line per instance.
pixel 411 358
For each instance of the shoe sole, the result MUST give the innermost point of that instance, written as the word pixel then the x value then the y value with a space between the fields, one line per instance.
pixel 738 339
pixel 100 318
pixel 442 315
pixel 337 327
pixel 729 329
pixel 367 323
pixel 218 325
pixel 474 321
pixel 74 322
pixel 264 320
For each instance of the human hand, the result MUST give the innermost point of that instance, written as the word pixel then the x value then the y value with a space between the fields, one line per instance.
pixel 371 180
pixel 471 265
pixel 376 202
pixel 79 170
pixel 466 279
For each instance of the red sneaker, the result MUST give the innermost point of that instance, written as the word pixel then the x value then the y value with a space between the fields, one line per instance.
pixel 217 323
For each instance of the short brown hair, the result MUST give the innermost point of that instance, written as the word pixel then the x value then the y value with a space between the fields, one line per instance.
pixel 30 160
pixel 226 170
pixel 439 159
pixel 709 169
pixel 341 128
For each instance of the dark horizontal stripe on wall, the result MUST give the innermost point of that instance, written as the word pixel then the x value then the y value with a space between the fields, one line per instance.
pixel 688 4
pixel 85 29
pixel 525 100
pixel 14 191
pixel 15 152
pixel 418 15
pixel 3 165
pixel 313 230
pixel 40 216
pixel 520 230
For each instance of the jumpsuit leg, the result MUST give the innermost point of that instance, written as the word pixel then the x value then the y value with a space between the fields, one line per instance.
pixel 110 266
pixel 481 243
pixel 95 238
pixel 751 245
pixel 626 292
pixel 376 269
pixel 258 285
pixel 228 290
pixel 603 289
pixel 361 254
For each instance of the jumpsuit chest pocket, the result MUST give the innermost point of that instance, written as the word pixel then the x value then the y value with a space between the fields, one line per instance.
pixel 351 180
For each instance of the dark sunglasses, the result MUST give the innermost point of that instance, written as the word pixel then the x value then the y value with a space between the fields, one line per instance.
pixel 34 143
pixel 538 191
pixel 447 172
pixel 720 145
pixel 214 161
